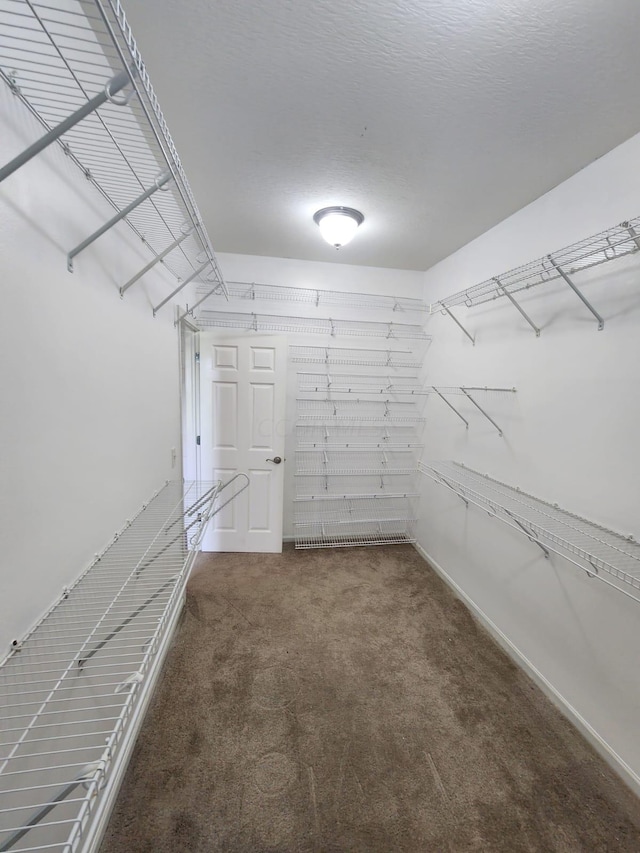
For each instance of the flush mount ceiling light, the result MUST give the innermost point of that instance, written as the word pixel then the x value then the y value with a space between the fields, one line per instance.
pixel 338 225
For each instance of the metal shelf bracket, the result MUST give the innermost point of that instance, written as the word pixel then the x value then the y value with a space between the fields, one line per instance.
pixel 446 310
pixel 578 293
pixel 451 406
pixel 182 285
pixel 160 182
pixel 479 407
pixel 504 290
pixel 152 263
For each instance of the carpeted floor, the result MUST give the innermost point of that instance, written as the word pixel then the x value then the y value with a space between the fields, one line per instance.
pixel 344 700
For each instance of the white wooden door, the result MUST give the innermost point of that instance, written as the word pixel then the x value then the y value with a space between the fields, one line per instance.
pixel 242 425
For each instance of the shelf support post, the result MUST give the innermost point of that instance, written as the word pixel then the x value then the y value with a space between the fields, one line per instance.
pixel 578 293
pixel 479 407
pixel 180 286
pixel 451 406
pixel 504 290
pixel 160 181
pixel 113 86
pixel 152 263
pixel 459 324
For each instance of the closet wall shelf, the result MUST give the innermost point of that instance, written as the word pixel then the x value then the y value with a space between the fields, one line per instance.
pixel 319 434
pixel 312 486
pixel 355 446
pixel 559 266
pixel 309 326
pixel 354 356
pixel 603 554
pixel 78 70
pixel 252 291
pixel 75 688
pixel 353 496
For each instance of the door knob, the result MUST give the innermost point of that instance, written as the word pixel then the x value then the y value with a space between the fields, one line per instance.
pixel 276 460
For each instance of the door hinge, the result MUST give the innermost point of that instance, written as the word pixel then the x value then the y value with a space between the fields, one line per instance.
pixel 197 439
pixel 197 356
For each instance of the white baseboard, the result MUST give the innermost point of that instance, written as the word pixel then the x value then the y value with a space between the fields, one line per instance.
pixel 628 775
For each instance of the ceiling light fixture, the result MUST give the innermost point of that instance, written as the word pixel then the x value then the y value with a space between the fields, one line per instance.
pixel 338 225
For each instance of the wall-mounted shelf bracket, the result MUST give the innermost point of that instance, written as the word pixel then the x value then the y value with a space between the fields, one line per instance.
pixel 530 536
pixel 451 406
pixel 632 231
pixel 444 482
pixel 578 293
pixel 446 310
pixel 160 182
pixel 152 263
pixel 182 285
pixel 111 89
pixel 504 290
pixel 200 301
pixel 480 409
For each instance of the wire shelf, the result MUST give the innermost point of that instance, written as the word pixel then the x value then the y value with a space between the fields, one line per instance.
pixel 309 326
pixel 559 266
pixel 73 688
pixel 357 410
pixel 56 58
pixel 313 487
pixel 342 511
pixel 354 534
pixel 370 520
pixel 250 291
pixel 355 460
pixel 357 435
pixel 601 553
pixel 354 356
pixel 606 246
pixel 365 383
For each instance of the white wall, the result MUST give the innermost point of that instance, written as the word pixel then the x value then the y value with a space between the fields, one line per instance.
pixel 90 394
pixel 318 275
pixel 570 436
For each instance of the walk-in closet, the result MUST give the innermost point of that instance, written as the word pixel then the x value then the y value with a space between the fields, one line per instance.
pixel 320 366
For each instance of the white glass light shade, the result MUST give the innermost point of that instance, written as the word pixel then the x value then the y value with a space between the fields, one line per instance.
pixel 338 225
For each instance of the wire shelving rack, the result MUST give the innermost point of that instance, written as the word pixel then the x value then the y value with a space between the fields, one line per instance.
pixel 310 326
pixel 394 436
pixel 360 410
pixel 75 688
pixel 602 553
pixel 358 442
pixel 252 291
pixel 559 266
pixel 77 69
pixel 355 460
pixel 354 357
pixel 364 383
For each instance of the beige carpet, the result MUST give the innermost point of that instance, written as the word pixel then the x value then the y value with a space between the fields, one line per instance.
pixel 344 700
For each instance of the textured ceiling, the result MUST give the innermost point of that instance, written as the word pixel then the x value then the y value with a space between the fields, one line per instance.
pixel 435 118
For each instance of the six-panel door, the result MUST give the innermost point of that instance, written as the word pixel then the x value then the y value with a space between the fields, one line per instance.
pixel 242 388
